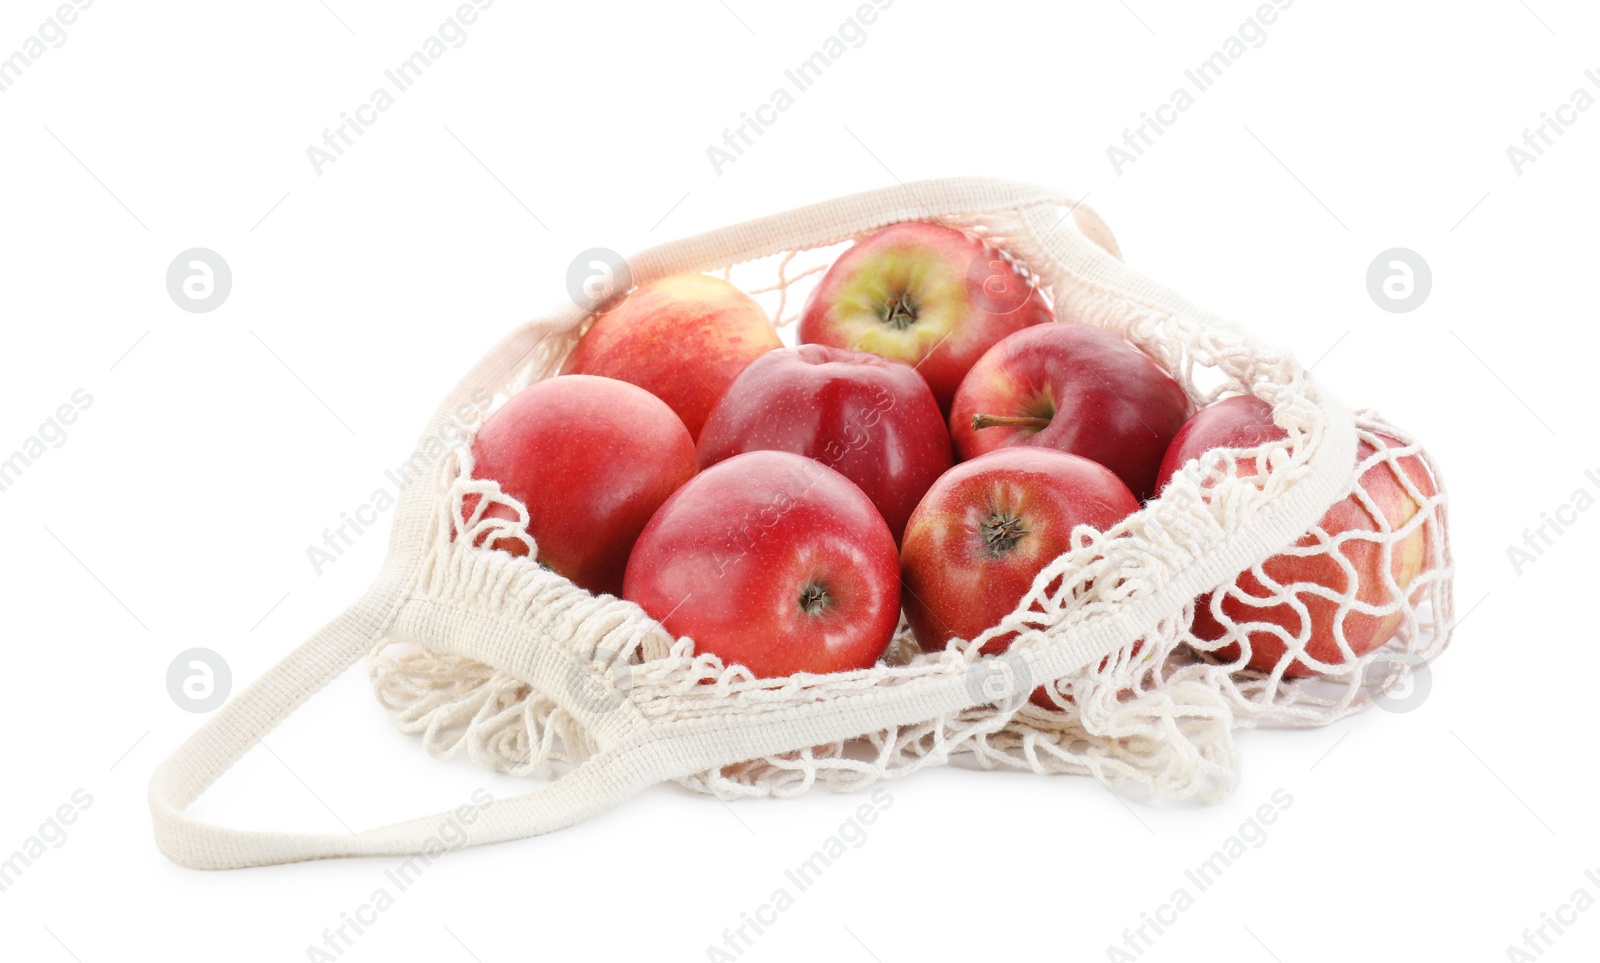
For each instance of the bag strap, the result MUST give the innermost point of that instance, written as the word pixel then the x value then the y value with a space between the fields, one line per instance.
pixel 602 781
pixel 839 219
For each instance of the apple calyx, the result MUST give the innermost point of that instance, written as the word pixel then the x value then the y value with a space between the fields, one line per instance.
pixel 1001 533
pixel 814 599
pixel 981 421
pixel 900 312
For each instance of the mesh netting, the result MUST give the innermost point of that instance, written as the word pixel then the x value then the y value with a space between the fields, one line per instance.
pixel 1156 716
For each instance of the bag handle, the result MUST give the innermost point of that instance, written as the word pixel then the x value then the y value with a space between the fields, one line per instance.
pixel 842 218
pixel 597 784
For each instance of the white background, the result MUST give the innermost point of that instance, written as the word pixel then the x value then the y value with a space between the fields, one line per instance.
pixel 219 446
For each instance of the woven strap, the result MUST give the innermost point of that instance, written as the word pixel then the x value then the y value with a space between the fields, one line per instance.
pixel 636 758
pixel 597 784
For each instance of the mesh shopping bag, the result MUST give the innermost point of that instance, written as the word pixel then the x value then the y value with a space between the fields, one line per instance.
pixel 1157 638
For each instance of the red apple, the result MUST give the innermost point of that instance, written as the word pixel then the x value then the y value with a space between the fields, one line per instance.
pixel 773 561
pixel 683 339
pixel 1314 568
pixel 1075 388
pixel 985 530
pixel 591 459
pixel 870 418
pixel 931 296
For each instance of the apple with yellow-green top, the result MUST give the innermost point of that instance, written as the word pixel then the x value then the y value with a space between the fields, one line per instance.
pixel 682 338
pixel 932 296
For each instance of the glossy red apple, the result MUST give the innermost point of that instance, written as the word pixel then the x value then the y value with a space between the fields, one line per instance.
pixel 773 561
pixel 683 339
pixel 870 418
pixel 591 459
pixel 987 527
pixel 1316 573
pixel 1075 388
pixel 931 296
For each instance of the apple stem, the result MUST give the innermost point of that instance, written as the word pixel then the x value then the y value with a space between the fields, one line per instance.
pixel 813 599
pixel 900 313
pixel 1001 533
pixel 981 421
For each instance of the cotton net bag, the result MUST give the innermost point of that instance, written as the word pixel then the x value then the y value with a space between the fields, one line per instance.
pixel 487 654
